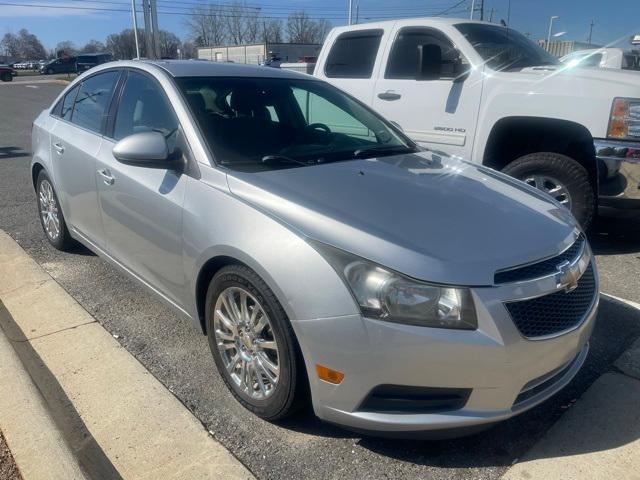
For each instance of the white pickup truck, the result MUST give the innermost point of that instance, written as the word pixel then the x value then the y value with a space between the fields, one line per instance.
pixel 486 93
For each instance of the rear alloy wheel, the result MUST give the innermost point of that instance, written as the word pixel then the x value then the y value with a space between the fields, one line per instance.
pixel 51 217
pixel 253 344
pixel 562 178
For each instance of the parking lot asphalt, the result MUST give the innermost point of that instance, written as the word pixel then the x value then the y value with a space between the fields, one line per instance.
pixel 178 356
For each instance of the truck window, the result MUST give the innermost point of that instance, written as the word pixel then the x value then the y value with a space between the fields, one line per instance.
pixel 353 54
pixel 403 59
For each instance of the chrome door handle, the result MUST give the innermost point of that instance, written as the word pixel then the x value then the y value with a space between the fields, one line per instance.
pixel 59 148
pixel 389 95
pixel 107 177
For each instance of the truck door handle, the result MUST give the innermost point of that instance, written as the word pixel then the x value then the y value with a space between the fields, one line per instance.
pixel 107 177
pixel 59 148
pixel 389 95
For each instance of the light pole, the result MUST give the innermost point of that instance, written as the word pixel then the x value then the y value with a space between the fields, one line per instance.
pixel 350 11
pixel 135 26
pixel 473 9
pixel 555 17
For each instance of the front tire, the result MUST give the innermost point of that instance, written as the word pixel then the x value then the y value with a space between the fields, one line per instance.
pixel 7 77
pixel 561 177
pixel 253 344
pixel 51 218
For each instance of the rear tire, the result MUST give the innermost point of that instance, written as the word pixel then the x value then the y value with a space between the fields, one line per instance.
pixel 268 399
pixel 7 77
pixel 50 214
pixel 561 177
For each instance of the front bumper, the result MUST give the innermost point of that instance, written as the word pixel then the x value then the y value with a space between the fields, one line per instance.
pixel 506 373
pixel 619 166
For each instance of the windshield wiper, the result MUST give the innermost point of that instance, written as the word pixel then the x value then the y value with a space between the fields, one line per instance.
pixel 282 159
pixel 390 149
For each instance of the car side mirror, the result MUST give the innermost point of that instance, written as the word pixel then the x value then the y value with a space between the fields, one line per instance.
pixel 429 62
pixel 147 149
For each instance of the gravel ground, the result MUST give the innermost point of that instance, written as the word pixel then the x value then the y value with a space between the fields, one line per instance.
pixel 302 446
pixel 8 468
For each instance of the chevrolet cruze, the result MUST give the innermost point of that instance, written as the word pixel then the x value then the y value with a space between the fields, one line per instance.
pixel 321 251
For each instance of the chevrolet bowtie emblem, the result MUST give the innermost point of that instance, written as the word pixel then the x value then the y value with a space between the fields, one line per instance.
pixel 567 276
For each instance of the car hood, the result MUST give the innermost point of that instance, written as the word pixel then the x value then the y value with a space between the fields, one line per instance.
pixel 611 77
pixel 425 215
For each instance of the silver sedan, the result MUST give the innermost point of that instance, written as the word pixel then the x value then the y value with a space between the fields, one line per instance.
pixel 325 255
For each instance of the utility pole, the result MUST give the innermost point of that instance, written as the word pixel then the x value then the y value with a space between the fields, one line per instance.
pixel 135 27
pixel 350 10
pixel 590 31
pixel 473 9
pixel 491 14
pixel 481 10
pixel 357 12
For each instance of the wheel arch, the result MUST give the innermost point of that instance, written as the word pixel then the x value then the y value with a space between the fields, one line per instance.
pixel 513 137
pixel 36 168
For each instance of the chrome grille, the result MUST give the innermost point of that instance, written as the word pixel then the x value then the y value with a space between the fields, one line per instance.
pixel 540 269
pixel 557 312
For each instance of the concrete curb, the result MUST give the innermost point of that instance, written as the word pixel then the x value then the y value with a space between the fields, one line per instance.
pixel 115 417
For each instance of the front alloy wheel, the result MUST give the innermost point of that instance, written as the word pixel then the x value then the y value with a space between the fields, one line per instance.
pixel 253 344
pixel 244 337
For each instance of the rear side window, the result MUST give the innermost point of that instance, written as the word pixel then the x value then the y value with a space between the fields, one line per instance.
pixel 93 100
pixel 67 103
pixel 403 59
pixel 143 107
pixel 353 54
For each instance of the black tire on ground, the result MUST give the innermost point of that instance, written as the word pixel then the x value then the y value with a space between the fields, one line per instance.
pixel 48 71
pixel 63 241
pixel 291 392
pixel 565 170
pixel 7 77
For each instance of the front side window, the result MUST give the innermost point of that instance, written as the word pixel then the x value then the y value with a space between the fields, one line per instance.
pixel 504 49
pixel 143 107
pixel 92 102
pixel 255 124
pixel 353 54
pixel 403 60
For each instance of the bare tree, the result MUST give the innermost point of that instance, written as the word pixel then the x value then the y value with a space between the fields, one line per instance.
pixel 207 26
pixel 323 27
pixel 188 50
pixel 10 45
pixel 93 46
pixel 301 28
pixel 25 44
pixel 123 45
pixel 235 21
pixel 169 44
pixel 272 31
pixel 65 48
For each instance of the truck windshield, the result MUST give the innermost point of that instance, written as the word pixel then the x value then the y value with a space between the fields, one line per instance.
pixel 504 49
pixel 255 124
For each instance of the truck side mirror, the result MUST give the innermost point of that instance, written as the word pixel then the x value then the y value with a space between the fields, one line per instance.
pixel 429 62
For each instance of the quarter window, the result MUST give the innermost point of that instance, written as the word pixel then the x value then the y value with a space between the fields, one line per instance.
pixel 67 104
pixel 143 107
pixel 93 99
pixel 404 56
pixel 353 54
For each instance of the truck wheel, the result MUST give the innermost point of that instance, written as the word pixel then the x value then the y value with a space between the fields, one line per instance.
pixel 561 177
pixel 7 77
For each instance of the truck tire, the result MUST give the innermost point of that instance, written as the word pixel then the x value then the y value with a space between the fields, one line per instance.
pixel 7 77
pixel 561 177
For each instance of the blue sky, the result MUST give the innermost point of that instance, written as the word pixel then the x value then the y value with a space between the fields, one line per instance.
pixel 614 21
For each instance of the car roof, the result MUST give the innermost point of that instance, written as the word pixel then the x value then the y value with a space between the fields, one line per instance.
pixel 417 20
pixel 206 68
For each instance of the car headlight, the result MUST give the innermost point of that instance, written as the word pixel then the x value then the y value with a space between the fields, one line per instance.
pixel 386 295
pixel 624 123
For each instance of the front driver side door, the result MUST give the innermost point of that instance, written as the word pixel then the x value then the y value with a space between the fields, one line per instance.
pixel 142 207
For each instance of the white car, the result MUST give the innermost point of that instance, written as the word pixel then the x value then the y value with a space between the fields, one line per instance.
pixel 488 94
pixel 604 58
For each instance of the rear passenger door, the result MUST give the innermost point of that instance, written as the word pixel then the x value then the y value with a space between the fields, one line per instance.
pixel 438 113
pixel 352 61
pixel 75 141
pixel 142 207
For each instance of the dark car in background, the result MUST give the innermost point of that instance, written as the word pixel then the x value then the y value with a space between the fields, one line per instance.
pixel 6 73
pixel 86 61
pixel 59 65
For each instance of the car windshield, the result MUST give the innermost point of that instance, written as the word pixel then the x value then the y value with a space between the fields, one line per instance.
pixel 504 49
pixel 255 124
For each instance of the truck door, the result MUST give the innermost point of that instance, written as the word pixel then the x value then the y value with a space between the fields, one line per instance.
pixel 428 88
